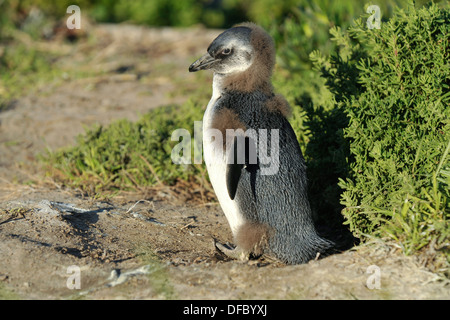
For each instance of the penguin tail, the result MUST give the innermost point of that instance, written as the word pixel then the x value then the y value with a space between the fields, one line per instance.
pixel 323 247
pixel 302 249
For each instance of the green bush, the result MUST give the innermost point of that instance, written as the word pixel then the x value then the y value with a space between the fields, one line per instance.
pixel 392 84
pixel 305 27
pixel 316 120
pixel 128 154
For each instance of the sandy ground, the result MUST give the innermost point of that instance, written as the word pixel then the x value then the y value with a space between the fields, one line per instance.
pixel 59 244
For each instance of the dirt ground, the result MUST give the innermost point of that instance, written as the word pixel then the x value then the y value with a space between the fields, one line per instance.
pixel 147 245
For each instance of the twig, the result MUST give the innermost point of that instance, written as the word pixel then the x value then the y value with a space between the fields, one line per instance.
pixel 143 200
pixel 192 222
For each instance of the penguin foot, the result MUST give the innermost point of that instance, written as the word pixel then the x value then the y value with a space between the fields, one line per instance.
pixel 237 253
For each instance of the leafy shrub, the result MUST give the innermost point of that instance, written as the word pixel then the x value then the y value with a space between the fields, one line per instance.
pixel 128 154
pixel 392 84
pixel 316 120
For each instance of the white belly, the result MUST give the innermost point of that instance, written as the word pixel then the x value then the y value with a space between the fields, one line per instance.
pixel 216 165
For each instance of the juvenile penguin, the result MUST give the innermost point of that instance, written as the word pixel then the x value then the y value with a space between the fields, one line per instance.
pixel 251 152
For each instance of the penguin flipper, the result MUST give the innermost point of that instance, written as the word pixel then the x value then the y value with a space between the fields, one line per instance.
pixel 233 173
pixel 233 176
pixel 243 155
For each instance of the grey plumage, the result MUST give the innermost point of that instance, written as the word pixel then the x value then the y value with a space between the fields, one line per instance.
pixel 268 213
pixel 280 200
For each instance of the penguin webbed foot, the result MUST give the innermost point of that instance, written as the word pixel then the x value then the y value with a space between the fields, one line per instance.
pixel 236 253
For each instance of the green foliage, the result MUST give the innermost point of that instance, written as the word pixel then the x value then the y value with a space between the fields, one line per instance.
pixel 422 219
pixel 155 12
pixel 129 154
pixel 305 26
pixel 392 84
pixel 317 120
pixel 17 61
pixel 169 12
pixel 217 14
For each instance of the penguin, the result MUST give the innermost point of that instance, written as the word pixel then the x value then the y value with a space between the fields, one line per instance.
pixel 251 152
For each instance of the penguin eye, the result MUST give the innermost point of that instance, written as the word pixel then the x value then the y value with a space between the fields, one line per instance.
pixel 226 51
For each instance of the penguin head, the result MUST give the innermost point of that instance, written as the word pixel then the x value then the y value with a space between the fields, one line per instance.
pixel 230 52
pixel 245 48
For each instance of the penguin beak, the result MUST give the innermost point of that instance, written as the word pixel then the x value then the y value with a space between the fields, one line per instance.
pixel 205 62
